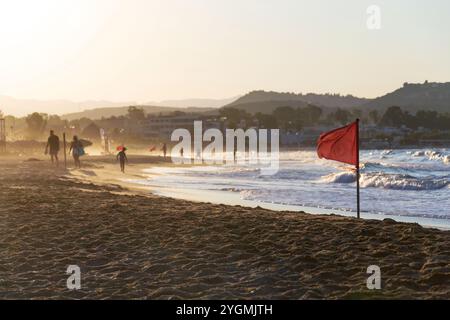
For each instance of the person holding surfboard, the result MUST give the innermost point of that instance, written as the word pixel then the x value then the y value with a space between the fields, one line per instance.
pixel 77 149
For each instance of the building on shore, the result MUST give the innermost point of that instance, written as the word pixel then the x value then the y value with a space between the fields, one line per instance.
pixel 163 126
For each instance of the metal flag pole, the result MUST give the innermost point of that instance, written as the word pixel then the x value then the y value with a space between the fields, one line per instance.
pixel 358 207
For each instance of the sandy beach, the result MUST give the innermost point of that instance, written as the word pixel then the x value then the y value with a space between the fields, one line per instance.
pixel 131 244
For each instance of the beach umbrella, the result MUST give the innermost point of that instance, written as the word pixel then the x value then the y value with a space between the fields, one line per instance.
pixel 342 144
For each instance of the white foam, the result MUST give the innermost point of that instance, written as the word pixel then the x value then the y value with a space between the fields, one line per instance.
pixel 446 159
pixel 433 155
pixel 340 177
pixel 420 153
pixel 401 182
pixel 388 181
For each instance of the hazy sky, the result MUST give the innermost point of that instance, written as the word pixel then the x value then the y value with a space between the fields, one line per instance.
pixel 146 50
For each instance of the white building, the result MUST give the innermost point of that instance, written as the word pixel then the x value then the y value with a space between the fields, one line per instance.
pixel 163 126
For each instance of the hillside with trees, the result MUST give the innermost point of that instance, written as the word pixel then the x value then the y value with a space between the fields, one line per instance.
pixel 272 100
pixel 431 96
pixel 413 97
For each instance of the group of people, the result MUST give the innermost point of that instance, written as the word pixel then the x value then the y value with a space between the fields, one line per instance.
pixel 53 147
pixel 77 150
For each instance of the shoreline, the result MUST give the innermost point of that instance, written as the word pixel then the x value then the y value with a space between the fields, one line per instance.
pixel 234 200
pixel 109 175
pixel 143 246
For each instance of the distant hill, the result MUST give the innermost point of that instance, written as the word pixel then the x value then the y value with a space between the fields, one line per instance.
pixel 22 107
pixel 98 113
pixel 267 107
pixel 277 99
pixel 410 97
pixel 199 103
pixel 413 97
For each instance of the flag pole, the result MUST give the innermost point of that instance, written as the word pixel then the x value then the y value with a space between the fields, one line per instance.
pixel 358 208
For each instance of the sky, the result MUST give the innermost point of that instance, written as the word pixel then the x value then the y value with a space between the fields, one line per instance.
pixel 150 50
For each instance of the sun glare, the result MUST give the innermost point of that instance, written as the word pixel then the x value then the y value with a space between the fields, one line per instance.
pixel 45 31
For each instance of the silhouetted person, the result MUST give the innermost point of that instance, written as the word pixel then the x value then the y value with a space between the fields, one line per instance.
pixel 52 147
pixel 164 149
pixel 77 151
pixel 122 157
pixel 181 152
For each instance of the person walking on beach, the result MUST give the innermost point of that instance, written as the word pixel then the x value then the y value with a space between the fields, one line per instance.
pixel 77 151
pixel 52 147
pixel 164 150
pixel 122 157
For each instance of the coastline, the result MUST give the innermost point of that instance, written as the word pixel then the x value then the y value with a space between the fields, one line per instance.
pixel 133 244
pixel 136 174
pixel 225 198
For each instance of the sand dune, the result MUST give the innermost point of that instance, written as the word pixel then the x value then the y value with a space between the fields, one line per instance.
pixel 148 247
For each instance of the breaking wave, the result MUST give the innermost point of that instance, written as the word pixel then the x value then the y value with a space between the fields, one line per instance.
pixel 340 177
pixel 432 155
pixel 389 181
pixel 402 182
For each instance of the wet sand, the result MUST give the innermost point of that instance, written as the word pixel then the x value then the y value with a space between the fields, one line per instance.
pixel 131 244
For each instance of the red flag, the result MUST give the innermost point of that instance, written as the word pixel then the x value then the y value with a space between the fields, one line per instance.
pixel 340 144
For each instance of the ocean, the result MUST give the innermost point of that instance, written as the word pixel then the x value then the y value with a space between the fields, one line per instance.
pixel 408 185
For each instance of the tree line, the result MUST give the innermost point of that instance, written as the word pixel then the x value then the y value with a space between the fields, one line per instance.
pixel 289 118
pixel 396 117
pixel 34 126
